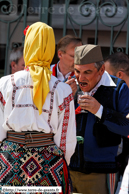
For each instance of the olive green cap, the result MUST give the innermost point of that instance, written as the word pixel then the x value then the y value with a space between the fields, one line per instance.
pixel 87 54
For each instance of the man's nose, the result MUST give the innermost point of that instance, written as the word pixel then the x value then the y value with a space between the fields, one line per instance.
pixel 82 78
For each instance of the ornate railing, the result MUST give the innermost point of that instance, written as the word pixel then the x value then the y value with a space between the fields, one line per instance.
pixel 96 13
pixel 11 15
pixel 7 10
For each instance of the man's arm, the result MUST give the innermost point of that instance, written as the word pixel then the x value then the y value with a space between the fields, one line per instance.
pixel 115 121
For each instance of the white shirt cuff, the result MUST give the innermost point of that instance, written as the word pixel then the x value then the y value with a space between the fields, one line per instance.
pixel 99 112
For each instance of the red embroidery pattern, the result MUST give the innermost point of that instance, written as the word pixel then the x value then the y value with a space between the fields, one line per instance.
pixel 51 103
pixel 30 105
pixel 15 88
pixel 2 99
pixel 65 105
pixel 66 102
pixel 25 105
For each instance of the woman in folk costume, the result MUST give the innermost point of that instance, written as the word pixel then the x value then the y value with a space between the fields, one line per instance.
pixel 37 118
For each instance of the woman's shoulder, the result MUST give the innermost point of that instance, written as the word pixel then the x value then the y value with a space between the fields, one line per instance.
pixel 54 82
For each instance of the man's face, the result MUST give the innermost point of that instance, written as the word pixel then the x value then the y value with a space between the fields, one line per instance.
pixel 20 65
pixel 88 76
pixel 67 57
pixel 108 68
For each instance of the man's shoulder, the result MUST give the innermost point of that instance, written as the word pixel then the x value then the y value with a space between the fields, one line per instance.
pixel 117 80
pixel 121 85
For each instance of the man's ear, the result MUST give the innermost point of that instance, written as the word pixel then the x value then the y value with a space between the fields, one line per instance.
pixel 102 69
pixel 13 67
pixel 59 54
pixel 120 74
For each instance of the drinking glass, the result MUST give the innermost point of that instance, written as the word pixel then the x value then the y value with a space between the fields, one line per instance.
pixel 79 94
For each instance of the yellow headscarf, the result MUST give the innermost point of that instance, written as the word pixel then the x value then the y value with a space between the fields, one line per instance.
pixel 39 50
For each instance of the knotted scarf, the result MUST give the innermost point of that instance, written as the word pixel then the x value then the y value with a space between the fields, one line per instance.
pixel 39 50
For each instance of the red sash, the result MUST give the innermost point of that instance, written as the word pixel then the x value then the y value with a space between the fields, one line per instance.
pixel 78 110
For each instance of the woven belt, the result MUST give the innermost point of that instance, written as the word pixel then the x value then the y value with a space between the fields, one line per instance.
pixel 31 138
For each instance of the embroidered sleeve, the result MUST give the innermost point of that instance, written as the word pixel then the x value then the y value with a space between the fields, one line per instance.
pixel 65 106
pixel 66 102
pixel 65 136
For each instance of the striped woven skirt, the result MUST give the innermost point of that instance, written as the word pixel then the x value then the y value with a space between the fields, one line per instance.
pixel 32 159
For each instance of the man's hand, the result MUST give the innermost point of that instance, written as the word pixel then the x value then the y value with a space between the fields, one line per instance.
pixel 89 103
pixel 72 83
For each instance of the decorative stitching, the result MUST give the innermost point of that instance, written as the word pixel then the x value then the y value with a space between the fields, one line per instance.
pixel 65 105
pixel 15 88
pixel 2 99
pixel 66 102
pixel 51 103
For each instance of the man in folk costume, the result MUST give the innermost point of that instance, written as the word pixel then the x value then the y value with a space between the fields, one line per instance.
pixel 37 118
pixel 101 120
pixel 64 69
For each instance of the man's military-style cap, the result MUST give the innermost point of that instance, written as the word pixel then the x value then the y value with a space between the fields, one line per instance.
pixel 87 54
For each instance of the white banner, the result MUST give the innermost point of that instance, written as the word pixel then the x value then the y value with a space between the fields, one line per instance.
pixel 30 189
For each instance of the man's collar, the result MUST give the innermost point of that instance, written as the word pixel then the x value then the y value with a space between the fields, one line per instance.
pixel 59 73
pixel 105 80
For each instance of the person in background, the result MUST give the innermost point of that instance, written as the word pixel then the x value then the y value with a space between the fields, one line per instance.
pixel 117 64
pixel 100 121
pixel 16 60
pixel 37 118
pixel 64 69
